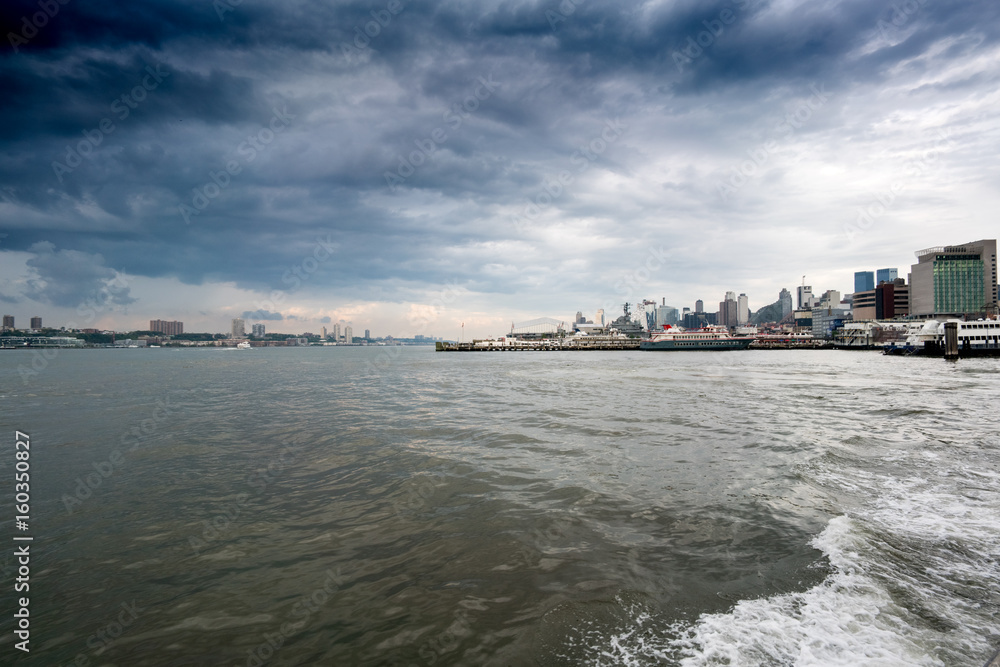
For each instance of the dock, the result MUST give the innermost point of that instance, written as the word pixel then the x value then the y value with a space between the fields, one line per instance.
pixel 553 345
pixel 579 345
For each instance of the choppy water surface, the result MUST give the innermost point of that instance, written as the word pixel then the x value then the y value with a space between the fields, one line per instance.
pixel 350 506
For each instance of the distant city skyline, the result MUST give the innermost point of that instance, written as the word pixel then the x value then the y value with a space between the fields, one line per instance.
pixel 738 312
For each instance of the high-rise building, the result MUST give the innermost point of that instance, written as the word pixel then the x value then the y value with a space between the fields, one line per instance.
pixel 805 297
pixel 257 329
pixel 666 315
pixel 699 306
pixel 580 319
pixel 8 321
pixel 742 310
pixel 336 332
pixel 830 299
pixel 599 319
pixel 864 281
pixel 886 301
pixel 348 334
pixel 886 276
pixel 36 322
pixel 368 334
pixel 322 333
pixel 239 328
pixel 785 297
pixel 955 280
pixel 167 328
pixel 728 311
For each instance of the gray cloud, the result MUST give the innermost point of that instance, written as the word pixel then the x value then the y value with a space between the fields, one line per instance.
pixel 70 278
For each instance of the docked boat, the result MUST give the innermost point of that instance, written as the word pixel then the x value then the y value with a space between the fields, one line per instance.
pixel 706 338
pixel 974 338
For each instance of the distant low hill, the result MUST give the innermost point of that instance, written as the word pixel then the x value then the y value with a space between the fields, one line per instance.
pixel 769 313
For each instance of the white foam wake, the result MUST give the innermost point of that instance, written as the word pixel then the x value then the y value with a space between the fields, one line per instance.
pixel 848 620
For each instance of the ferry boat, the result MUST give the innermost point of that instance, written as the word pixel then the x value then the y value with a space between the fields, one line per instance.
pixel 975 338
pixel 711 337
pixel 243 346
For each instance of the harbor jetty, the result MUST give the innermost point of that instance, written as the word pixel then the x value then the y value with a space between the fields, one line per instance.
pixel 581 343
pixel 572 344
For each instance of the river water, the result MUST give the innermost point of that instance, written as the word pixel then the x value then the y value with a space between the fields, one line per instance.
pixel 369 506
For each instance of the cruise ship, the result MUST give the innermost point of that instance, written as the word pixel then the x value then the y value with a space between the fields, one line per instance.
pixel 707 338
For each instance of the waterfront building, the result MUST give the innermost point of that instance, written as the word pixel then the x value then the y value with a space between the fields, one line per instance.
pixel 8 321
pixel 886 276
pixel 666 315
pixel 727 311
pixel 955 280
pixel 885 302
pixel 36 322
pixel 348 334
pixel 646 314
pixel 238 329
pixel 742 310
pixel 785 299
pixel 805 297
pixel 258 330
pixel 830 299
pixel 368 334
pixel 336 332
pixel 167 328
pixel 864 281
pixel 698 320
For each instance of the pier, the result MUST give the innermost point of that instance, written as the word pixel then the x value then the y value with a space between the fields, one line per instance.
pixel 611 343
pixel 547 345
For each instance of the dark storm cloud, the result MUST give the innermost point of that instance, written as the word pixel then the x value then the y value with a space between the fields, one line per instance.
pixel 360 102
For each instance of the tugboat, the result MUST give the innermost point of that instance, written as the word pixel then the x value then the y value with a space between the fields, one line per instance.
pixel 706 338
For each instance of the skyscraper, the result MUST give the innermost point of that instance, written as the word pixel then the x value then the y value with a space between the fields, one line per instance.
pixel 785 297
pixel 955 280
pixel 239 328
pixel 348 334
pixel 728 311
pixel 805 297
pixel 666 315
pixel 699 306
pixel 864 281
pixel 368 334
pixel 599 319
pixel 336 332
pixel 742 310
pixel 257 329
pixel 886 275
pixel 8 321
pixel 36 322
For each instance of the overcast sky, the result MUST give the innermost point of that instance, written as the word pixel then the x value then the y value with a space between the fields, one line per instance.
pixel 409 166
